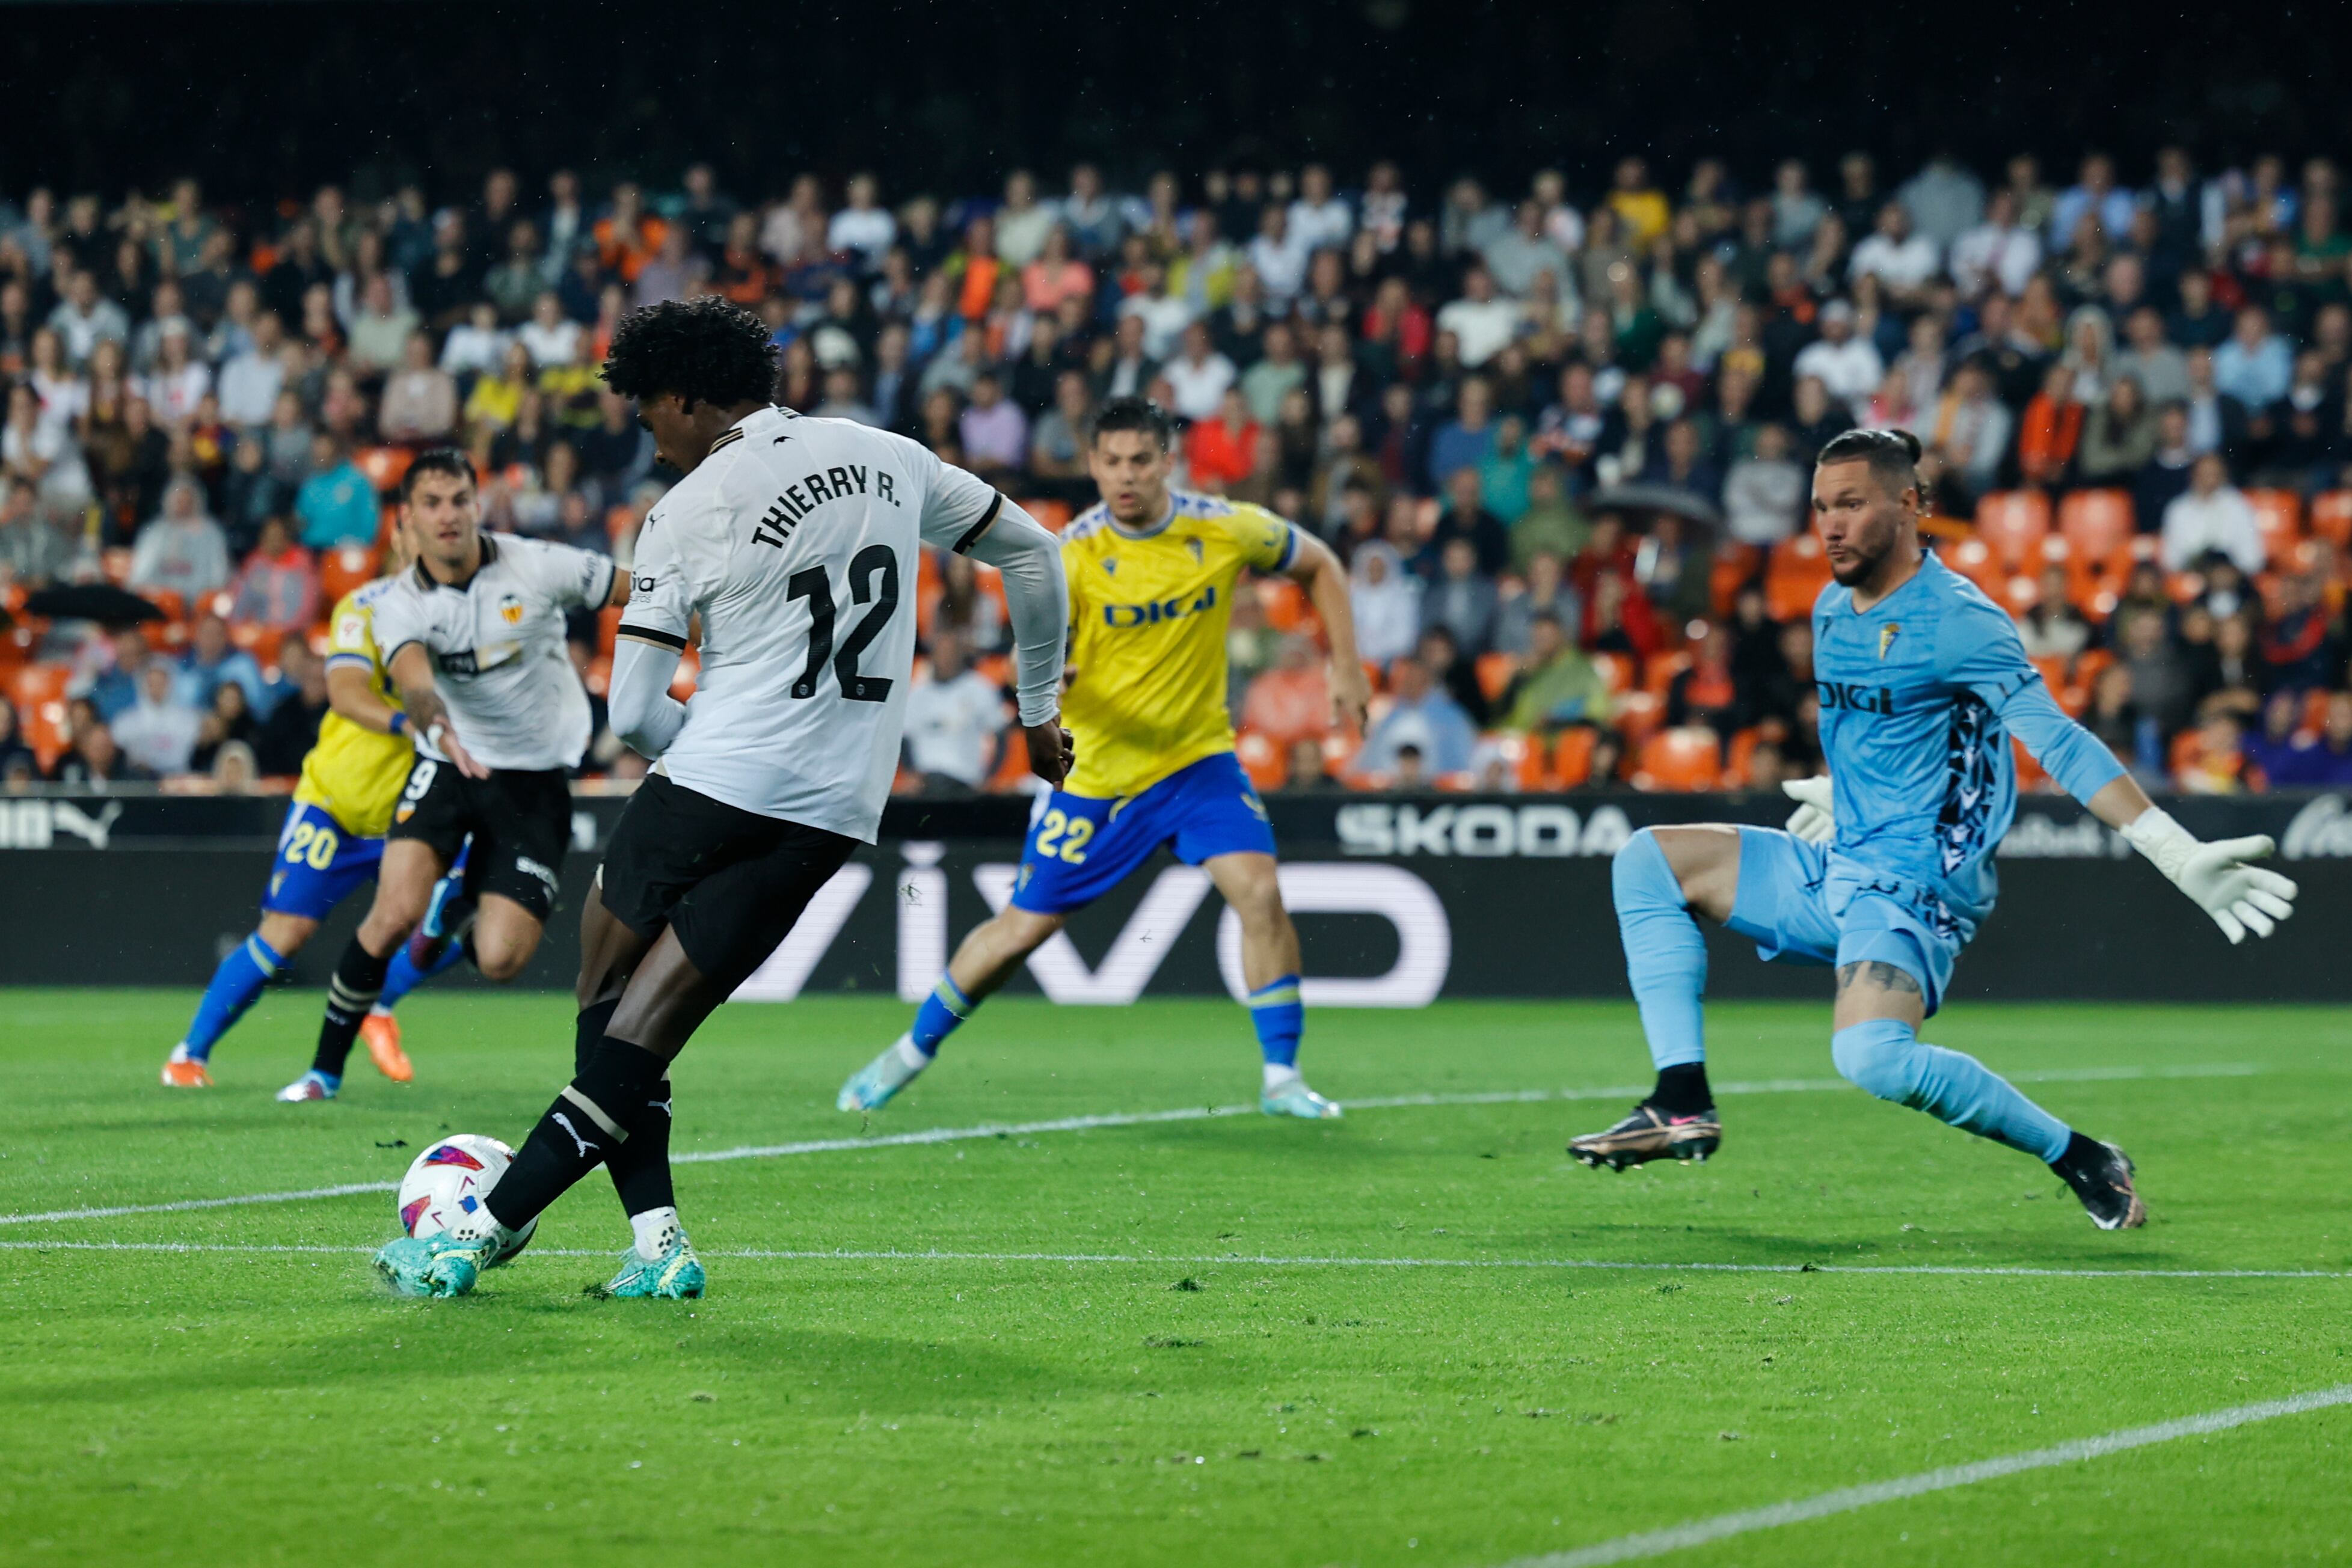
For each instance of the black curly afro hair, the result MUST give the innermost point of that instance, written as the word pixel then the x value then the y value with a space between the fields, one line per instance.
pixel 703 350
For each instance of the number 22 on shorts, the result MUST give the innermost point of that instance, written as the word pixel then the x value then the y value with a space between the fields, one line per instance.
pixel 1063 837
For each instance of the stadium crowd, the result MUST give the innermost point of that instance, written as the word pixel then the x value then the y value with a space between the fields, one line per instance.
pixel 1561 436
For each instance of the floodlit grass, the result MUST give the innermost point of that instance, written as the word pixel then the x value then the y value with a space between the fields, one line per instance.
pixel 1190 1392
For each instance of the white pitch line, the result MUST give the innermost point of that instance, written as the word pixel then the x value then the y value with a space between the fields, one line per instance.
pixel 1132 1119
pixel 1658 1542
pixel 1229 1260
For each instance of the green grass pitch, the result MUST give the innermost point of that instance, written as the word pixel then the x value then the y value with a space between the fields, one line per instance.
pixel 1135 1358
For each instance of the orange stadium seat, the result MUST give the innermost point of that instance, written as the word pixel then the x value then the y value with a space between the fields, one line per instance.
pixel 1798 571
pixel 1054 515
pixel 1494 673
pixel 1679 759
pixel 36 684
pixel 2278 514
pixel 1639 714
pixel 2012 522
pixel 1284 604
pixel 2096 523
pixel 1979 563
pixel 1660 671
pixel 262 642
pixel 2331 517
pixel 1743 756
pixel 45 731
pixel 343 568
pixel 384 465
pixel 1572 756
pixel 1733 565
pixel 1263 759
pixel 1617 669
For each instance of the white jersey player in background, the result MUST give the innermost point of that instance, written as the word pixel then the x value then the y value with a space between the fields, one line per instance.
pixel 796 543
pixel 473 636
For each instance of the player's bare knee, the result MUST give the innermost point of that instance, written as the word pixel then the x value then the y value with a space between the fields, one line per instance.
pixel 501 960
pixel 285 935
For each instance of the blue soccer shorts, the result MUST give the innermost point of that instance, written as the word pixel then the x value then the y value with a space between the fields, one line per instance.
pixel 1799 904
pixel 1082 846
pixel 319 863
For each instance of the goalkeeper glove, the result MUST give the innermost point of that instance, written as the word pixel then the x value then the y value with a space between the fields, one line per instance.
pixel 2239 896
pixel 1813 821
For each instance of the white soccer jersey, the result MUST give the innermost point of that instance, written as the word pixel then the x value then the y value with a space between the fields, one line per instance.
pixel 498 658
pixel 798 542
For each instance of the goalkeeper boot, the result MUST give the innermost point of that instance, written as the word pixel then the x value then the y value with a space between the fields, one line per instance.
pixel 182 1070
pixel 1291 1097
pixel 444 1265
pixel 2100 1176
pixel 380 1032
pixel 1650 1134
pixel 674 1276
pixel 874 1085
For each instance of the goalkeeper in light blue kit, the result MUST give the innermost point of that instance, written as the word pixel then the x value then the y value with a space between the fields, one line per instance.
pixel 1886 869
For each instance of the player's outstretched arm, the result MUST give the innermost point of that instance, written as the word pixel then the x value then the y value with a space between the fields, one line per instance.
pixel 2220 877
pixel 1037 603
pixel 637 702
pixel 1326 581
pixel 411 671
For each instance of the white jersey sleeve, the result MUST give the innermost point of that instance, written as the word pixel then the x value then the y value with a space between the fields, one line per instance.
pixel 662 596
pixel 957 506
pixel 571 578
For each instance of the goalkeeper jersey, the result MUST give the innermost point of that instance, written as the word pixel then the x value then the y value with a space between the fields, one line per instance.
pixel 1919 696
pixel 353 773
pixel 1149 611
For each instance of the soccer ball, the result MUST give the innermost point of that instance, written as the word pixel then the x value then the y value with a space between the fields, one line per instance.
pixel 449 1180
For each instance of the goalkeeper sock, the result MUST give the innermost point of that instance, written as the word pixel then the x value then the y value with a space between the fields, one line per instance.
pixel 1665 955
pixel 1279 1018
pixel 1682 1090
pixel 596 1114
pixel 236 983
pixel 1886 1057
pixel 358 981
pixel 939 1016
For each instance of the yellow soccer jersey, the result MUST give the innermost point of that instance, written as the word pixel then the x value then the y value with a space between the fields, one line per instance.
pixel 353 773
pixel 1148 617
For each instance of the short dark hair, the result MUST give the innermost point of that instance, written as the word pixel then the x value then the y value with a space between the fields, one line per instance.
pixel 702 351
pixel 1132 412
pixel 446 460
pixel 1893 455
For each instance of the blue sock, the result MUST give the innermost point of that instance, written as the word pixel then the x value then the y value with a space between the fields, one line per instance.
pixel 946 1008
pixel 1279 1018
pixel 232 989
pixel 1884 1056
pixel 1665 955
pixel 402 975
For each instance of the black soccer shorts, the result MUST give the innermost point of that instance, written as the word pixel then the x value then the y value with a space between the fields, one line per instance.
pixel 520 821
pixel 729 883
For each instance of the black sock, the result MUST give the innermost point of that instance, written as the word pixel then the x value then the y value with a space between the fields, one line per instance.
pixel 358 981
pixel 594 1116
pixel 1682 1090
pixel 640 1167
pixel 2080 1151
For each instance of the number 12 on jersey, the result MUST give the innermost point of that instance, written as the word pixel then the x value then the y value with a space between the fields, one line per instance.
pixel 873 579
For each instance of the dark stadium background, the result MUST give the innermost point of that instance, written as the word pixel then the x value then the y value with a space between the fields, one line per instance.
pixel 263 100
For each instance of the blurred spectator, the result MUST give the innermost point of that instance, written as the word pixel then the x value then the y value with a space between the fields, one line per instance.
pixel 1199 376
pixel 1558 686
pixel 1453 672
pixel 224 729
pixel 1307 771
pixel 18 765
pixel 2256 364
pixel 1422 717
pixel 1385 600
pixel 420 400
pixel 1705 693
pixel 211 658
pixel 2052 628
pixel 1221 451
pixel 1847 366
pixel 182 550
pixel 1463 602
pixel 2213 762
pixel 278 585
pixel 292 727
pixel 2214 515
pixel 2119 438
pixel 157 732
pixel 1547 594
pixel 2298 645
pixel 1291 701
pixel 94 760
pixel 955 721
pixel 336 504
pixel 1764 493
